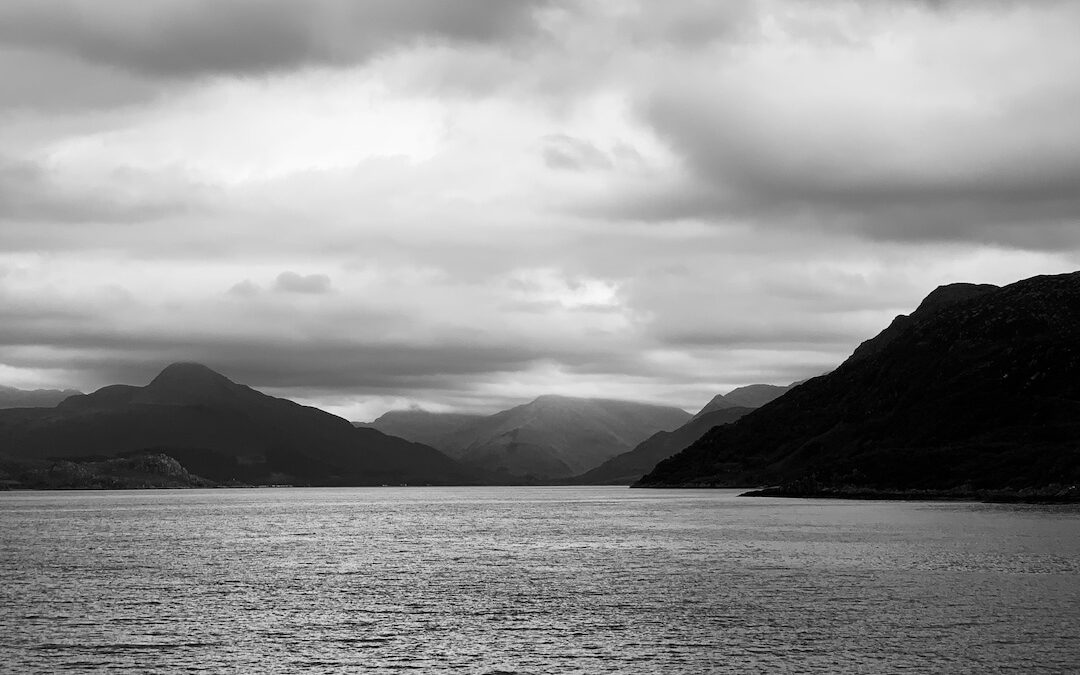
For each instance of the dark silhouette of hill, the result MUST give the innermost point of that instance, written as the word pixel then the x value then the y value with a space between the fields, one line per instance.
pixel 628 467
pixel 978 389
pixel 222 431
pixel 556 437
pixel 421 426
pixel 10 397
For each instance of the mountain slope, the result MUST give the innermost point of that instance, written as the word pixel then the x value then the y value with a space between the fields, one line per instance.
pixel 750 396
pixel 222 431
pixel 10 397
pixel 630 466
pixel 755 395
pixel 421 426
pixel 718 402
pixel 978 389
pixel 557 436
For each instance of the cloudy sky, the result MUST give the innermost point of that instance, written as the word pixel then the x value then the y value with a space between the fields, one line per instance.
pixel 463 205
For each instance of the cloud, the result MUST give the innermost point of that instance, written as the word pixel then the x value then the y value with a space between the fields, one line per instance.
pixel 185 38
pixel 566 152
pixel 244 289
pixel 629 199
pixel 291 282
pixel 31 193
pixel 885 138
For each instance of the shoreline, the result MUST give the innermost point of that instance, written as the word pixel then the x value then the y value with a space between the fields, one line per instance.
pixel 1047 495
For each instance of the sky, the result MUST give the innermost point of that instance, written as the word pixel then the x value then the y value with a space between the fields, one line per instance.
pixel 463 205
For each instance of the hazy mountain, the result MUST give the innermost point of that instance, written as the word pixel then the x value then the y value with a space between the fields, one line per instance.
pixel 222 431
pixel 557 436
pixel 755 395
pixel 630 466
pixel 978 389
pixel 750 396
pixel 718 402
pixel 10 397
pixel 422 426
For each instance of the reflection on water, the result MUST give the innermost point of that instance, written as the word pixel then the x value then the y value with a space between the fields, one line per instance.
pixel 532 580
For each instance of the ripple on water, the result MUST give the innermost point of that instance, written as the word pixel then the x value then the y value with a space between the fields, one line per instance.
pixel 532 580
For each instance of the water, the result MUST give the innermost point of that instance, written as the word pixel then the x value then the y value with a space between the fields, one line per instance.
pixel 531 580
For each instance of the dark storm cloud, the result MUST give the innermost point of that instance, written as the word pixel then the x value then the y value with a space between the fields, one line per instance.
pixel 31 80
pixel 968 184
pixel 73 342
pixel 182 38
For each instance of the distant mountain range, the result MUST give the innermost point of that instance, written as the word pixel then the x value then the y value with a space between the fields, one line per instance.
pixel 976 393
pixel 558 438
pixel 552 437
pixel 628 467
pixel 722 409
pixel 977 390
pixel 10 397
pixel 422 426
pixel 221 431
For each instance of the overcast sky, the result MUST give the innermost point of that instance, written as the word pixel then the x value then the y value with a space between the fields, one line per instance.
pixel 463 205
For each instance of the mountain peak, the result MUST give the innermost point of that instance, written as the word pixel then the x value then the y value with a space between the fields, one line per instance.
pixel 187 371
pixel 718 402
pixel 950 293
pixel 186 383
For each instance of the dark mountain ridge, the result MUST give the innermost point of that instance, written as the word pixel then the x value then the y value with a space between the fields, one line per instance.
pixel 978 389
pixel 222 431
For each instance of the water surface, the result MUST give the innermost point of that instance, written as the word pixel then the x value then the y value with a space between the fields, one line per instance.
pixel 532 580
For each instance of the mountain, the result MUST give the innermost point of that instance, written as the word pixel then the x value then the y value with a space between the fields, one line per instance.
pixel 10 397
pixel 421 426
pixel 718 402
pixel 630 466
pixel 722 409
pixel 750 396
pixel 755 395
pixel 978 389
pixel 221 431
pixel 556 437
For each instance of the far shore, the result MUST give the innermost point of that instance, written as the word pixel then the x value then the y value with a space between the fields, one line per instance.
pixel 1055 494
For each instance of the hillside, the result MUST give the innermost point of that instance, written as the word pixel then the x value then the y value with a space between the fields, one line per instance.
pixel 978 389
pixel 556 437
pixel 630 466
pixel 221 431
pixel 750 396
pixel 755 395
pixel 421 426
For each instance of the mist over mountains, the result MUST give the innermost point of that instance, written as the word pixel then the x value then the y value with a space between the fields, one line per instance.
pixel 551 437
pixel 11 397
